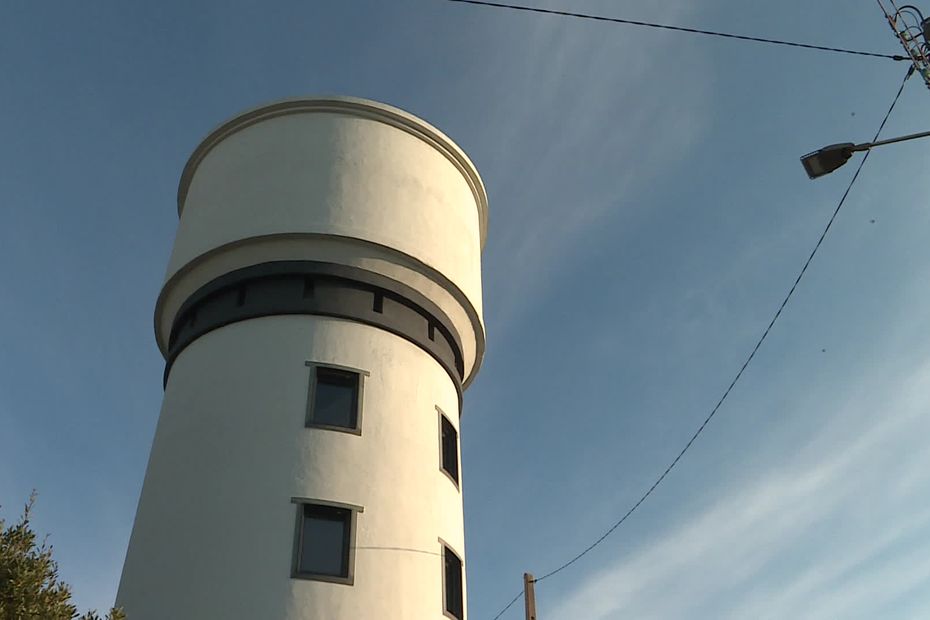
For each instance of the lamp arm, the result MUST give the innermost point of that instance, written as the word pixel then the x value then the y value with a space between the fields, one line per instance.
pixel 865 146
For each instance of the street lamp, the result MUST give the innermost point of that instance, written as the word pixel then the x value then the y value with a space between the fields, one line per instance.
pixel 829 158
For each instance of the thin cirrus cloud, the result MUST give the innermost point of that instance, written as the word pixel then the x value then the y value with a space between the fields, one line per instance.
pixel 564 171
pixel 836 530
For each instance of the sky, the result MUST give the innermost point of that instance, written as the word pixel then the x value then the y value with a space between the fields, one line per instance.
pixel 648 213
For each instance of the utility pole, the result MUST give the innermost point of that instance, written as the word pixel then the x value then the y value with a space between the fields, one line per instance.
pixel 529 595
pixel 913 32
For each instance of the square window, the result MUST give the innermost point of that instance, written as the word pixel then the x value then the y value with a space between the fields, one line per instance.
pixel 324 534
pixel 452 578
pixel 449 440
pixel 334 397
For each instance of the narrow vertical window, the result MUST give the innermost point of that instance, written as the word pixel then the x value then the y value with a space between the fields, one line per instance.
pixel 324 542
pixel 453 599
pixel 449 448
pixel 334 400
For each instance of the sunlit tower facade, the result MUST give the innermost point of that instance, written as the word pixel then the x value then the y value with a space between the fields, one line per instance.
pixel 320 319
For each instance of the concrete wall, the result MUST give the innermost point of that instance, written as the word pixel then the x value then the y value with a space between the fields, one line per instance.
pixel 214 534
pixel 381 187
pixel 341 181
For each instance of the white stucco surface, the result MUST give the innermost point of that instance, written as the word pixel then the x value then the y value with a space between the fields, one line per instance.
pixel 214 534
pixel 333 180
pixel 364 171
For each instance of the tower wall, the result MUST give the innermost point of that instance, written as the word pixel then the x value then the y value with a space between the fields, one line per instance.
pixel 333 232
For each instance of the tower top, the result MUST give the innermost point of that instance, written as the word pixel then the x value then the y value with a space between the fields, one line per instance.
pixel 350 106
pixel 343 181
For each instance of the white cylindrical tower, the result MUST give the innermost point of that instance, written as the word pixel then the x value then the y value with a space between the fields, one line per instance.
pixel 320 318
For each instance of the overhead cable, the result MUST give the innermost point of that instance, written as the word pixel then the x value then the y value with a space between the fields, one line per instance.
pixel 726 35
pixel 746 363
pixel 509 605
pixel 755 349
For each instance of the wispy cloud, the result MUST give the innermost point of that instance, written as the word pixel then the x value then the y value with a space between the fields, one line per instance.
pixel 593 114
pixel 834 531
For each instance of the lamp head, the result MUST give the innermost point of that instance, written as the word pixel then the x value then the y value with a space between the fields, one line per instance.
pixel 827 159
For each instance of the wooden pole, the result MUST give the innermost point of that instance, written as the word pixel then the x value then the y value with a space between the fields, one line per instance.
pixel 529 595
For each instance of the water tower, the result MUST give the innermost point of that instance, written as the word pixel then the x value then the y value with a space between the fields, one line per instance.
pixel 320 319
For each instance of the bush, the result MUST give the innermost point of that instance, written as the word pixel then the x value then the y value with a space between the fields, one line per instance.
pixel 29 584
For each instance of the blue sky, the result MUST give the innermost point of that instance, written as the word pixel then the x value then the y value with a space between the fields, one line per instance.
pixel 648 213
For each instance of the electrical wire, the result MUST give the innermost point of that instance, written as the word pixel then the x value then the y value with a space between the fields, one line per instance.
pixel 726 35
pixel 755 349
pixel 913 10
pixel 746 363
pixel 404 549
pixel 509 605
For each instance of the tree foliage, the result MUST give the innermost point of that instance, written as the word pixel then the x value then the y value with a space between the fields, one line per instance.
pixel 29 585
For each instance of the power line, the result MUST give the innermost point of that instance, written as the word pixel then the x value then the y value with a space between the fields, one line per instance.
pixel 509 605
pixel 403 549
pixel 726 35
pixel 746 363
pixel 754 349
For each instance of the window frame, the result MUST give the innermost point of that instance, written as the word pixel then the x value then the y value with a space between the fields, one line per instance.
pixel 349 546
pixel 311 396
pixel 447 548
pixel 443 418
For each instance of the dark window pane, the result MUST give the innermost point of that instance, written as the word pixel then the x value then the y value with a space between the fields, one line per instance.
pixel 453 574
pixel 335 398
pixel 450 449
pixel 324 541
